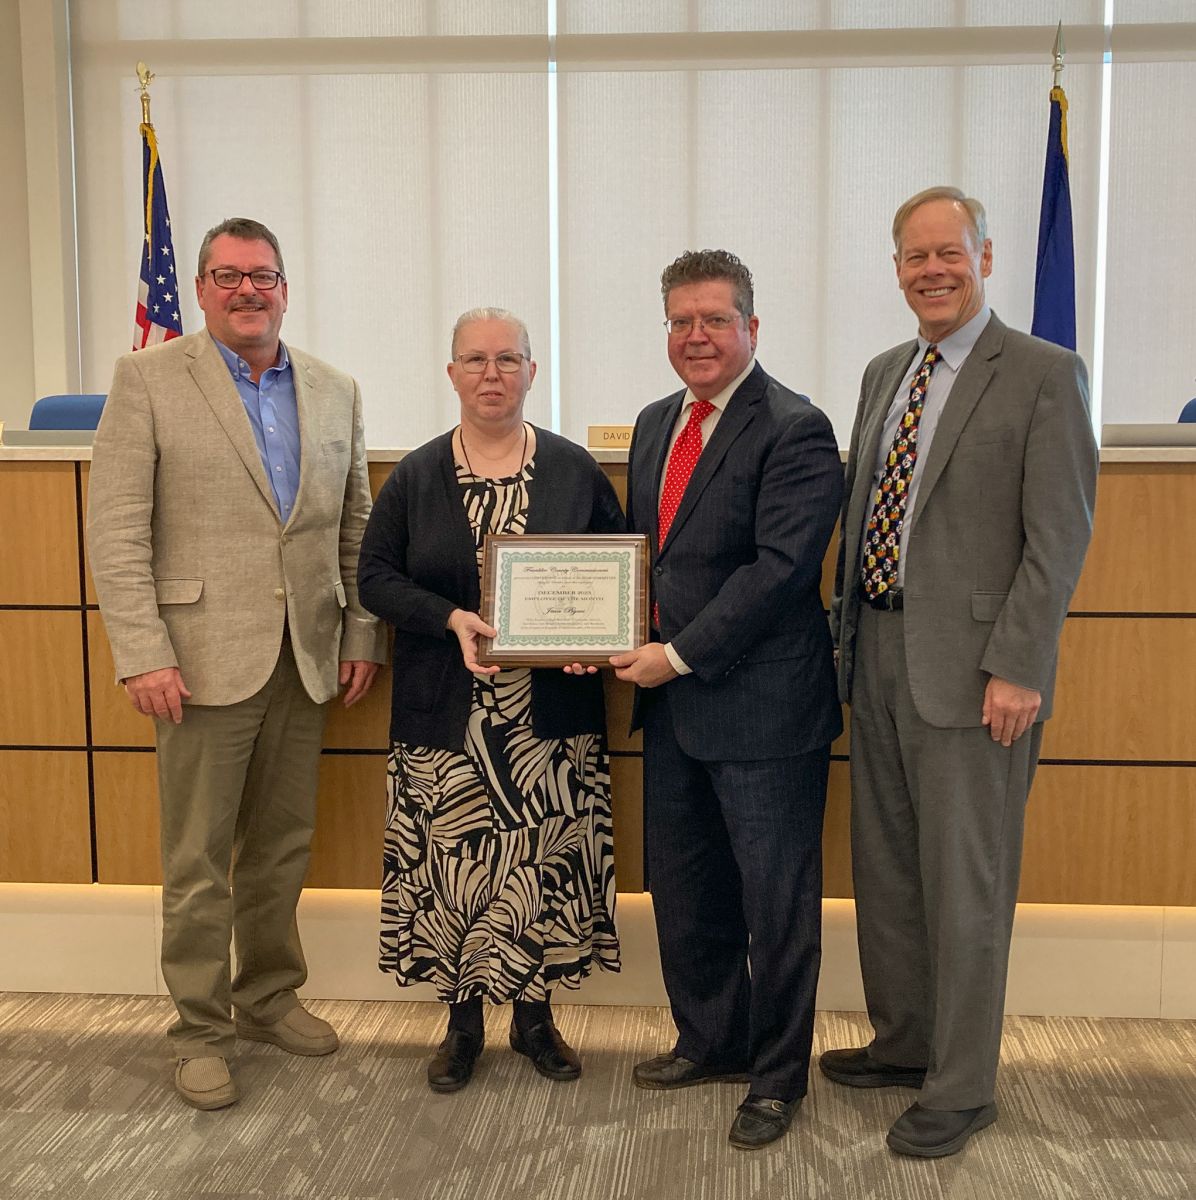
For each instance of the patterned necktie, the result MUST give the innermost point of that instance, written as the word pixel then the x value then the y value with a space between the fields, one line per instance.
pixel 682 460
pixel 882 538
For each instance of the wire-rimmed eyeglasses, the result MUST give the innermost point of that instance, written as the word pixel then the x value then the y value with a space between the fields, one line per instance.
pixel 474 364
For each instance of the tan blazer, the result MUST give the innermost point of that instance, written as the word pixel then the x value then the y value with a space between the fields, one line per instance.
pixel 192 564
pixel 1000 525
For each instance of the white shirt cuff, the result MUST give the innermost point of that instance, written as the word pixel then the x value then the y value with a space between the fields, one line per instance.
pixel 679 664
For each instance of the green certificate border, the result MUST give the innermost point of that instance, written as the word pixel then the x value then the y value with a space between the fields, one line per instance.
pixel 512 557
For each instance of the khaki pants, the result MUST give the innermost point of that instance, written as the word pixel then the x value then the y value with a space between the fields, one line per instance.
pixel 237 789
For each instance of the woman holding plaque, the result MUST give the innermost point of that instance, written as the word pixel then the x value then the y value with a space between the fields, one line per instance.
pixel 498 869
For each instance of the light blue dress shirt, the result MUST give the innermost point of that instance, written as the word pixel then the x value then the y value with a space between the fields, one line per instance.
pixel 953 351
pixel 274 417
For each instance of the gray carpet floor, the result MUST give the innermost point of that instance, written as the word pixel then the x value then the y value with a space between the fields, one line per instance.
pixel 1091 1110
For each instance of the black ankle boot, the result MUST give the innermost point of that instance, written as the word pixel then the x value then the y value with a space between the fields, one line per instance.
pixel 452 1067
pixel 534 1034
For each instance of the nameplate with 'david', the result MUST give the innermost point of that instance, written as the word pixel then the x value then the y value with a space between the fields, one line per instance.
pixel 609 437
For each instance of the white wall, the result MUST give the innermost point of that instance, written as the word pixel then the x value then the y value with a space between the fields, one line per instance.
pixel 16 303
pixel 403 153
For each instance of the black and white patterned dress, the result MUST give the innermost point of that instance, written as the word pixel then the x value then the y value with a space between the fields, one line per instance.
pixel 498 862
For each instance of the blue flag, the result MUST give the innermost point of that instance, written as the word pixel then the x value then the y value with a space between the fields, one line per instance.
pixel 1055 275
pixel 157 318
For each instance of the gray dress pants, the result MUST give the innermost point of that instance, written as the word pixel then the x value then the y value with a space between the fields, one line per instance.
pixel 936 842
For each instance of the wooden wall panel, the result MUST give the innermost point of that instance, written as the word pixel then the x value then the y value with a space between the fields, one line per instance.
pixel 1124 690
pixel 365 726
pixel 379 473
pixel 114 721
pixel 89 586
pixel 1063 842
pixel 126 807
pixel 1095 834
pixel 41 678
pixel 40 559
pixel 842 744
pixel 1111 835
pixel 617 474
pixel 619 697
pixel 44 817
pixel 347 849
pixel 827 587
pixel 836 833
pixel 1143 540
pixel 627 802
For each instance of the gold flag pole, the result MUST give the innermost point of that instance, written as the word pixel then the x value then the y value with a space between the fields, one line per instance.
pixel 1058 52
pixel 145 77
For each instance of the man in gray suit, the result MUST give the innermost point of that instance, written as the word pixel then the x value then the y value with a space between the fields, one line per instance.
pixel 969 494
pixel 228 495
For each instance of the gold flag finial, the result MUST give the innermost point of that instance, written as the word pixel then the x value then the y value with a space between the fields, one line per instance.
pixel 145 77
pixel 1058 53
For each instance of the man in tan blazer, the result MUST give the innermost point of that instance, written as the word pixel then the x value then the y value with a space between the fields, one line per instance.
pixel 228 495
pixel 969 495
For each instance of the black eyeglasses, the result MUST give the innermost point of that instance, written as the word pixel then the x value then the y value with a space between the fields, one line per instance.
pixel 230 278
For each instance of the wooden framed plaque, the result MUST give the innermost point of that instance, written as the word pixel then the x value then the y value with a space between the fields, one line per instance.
pixel 563 598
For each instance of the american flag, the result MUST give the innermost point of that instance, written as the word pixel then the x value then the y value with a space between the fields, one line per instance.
pixel 158 306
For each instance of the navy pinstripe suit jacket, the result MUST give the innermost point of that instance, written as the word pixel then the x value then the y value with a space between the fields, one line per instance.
pixel 737 580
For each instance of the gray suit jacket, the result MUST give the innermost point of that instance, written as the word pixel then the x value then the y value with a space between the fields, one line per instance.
pixel 192 564
pixel 1000 526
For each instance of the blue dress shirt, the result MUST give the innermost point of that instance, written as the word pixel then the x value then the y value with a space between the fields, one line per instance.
pixel 274 417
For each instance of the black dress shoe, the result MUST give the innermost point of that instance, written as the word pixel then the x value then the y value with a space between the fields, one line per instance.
pixel 452 1067
pixel 761 1120
pixel 551 1055
pixel 672 1071
pixel 935 1133
pixel 857 1068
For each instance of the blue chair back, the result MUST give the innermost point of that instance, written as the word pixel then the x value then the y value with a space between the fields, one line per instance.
pixel 67 412
pixel 1189 412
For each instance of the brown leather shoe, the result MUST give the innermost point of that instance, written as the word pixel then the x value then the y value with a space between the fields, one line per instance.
pixel 667 1071
pixel 761 1120
pixel 205 1083
pixel 299 1032
pixel 551 1055
pixel 452 1067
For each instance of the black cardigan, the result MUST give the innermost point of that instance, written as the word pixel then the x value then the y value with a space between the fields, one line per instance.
pixel 418 563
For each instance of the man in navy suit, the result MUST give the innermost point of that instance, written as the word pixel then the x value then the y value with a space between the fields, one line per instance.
pixel 737 482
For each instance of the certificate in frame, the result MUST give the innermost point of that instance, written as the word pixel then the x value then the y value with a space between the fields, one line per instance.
pixel 563 598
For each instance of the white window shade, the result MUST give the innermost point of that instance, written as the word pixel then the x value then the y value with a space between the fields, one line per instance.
pixel 799 173
pixel 399 200
pixel 1150 346
pixel 403 154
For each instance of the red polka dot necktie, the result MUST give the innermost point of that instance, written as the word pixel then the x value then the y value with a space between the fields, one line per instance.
pixel 682 460
pixel 882 537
